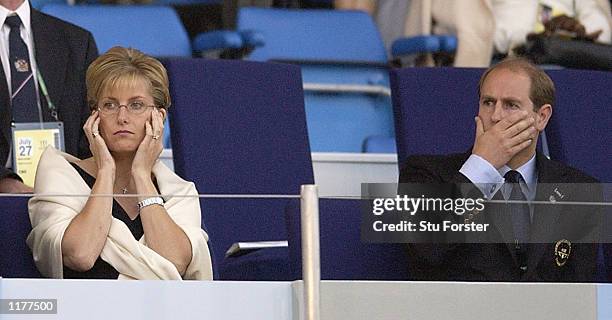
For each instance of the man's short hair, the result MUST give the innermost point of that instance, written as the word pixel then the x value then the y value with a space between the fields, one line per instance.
pixel 542 88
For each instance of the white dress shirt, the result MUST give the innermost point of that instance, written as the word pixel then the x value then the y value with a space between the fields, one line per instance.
pixel 490 180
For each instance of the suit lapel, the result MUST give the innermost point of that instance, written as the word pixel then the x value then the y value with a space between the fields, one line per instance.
pixel 5 115
pixel 496 213
pixel 51 58
pixel 545 217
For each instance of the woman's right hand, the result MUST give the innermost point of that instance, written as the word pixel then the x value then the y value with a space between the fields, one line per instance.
pixel 104 160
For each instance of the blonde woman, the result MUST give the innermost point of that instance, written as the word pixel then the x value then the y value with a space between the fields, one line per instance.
pixel 140 237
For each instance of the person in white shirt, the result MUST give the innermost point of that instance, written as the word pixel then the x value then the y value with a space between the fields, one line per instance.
pixel 483 27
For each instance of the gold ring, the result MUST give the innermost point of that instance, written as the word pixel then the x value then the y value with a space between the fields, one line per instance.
pixel 155 137
pixel 95 134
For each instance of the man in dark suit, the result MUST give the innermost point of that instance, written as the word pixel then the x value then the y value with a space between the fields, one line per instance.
pixel 534 242
pixel 62 54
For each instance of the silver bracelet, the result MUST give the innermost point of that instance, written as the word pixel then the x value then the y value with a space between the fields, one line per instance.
pixel 150 201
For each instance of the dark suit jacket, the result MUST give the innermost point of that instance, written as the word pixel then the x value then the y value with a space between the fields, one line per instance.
pixel 494 258
pixel 63 53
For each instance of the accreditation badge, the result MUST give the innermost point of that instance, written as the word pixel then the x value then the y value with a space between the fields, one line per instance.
pixel 29 141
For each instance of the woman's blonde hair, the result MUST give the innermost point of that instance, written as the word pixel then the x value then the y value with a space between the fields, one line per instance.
pixel 120 66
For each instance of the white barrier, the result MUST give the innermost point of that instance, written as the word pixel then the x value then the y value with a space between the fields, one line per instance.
pixel 355 300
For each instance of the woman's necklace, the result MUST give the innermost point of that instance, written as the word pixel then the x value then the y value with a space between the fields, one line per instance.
pixel 124 190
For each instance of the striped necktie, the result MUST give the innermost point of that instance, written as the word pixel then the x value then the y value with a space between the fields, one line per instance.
pixel 23 96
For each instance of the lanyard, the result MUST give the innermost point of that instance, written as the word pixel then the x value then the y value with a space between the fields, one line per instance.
pixel 43 88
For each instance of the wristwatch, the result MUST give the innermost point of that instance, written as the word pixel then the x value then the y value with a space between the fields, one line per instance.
pixel 150 201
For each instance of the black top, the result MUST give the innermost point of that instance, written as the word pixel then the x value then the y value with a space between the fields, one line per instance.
pixel 102 269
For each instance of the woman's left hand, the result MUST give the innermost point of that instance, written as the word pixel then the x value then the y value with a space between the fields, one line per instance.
pixel 151 146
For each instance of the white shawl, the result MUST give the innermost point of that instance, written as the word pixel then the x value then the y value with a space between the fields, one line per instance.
pixel 50 215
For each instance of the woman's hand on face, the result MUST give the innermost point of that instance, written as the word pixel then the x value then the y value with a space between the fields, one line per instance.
pixel 104 160
pixel 151 146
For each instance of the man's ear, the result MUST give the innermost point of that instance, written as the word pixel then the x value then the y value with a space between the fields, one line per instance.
pixel 542 117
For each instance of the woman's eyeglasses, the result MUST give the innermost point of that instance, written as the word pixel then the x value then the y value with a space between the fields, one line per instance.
pixel 135 107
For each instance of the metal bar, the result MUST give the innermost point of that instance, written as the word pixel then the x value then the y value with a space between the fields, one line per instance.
pixel 347 88
pixel 311 264
pixel 274 196
pixel 116 195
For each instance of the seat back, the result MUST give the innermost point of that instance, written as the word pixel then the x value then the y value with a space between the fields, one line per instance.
pixel 434 109
pixel 313 35
pixel 580 132
pixel 344 256
pixel 15 257
pixel 580 129
pixel 154 30
pixel 337 51
pixel 238 127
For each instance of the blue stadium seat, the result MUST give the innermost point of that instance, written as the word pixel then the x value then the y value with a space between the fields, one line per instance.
pixel 239 128
pixel 154 30
pixel 334 48
pixel 580 132
pixel 313 35
pixel 580 128
pixel 379 144
pixel 344 69
pixel 431 105
pixel 15 257
pixel 344 256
